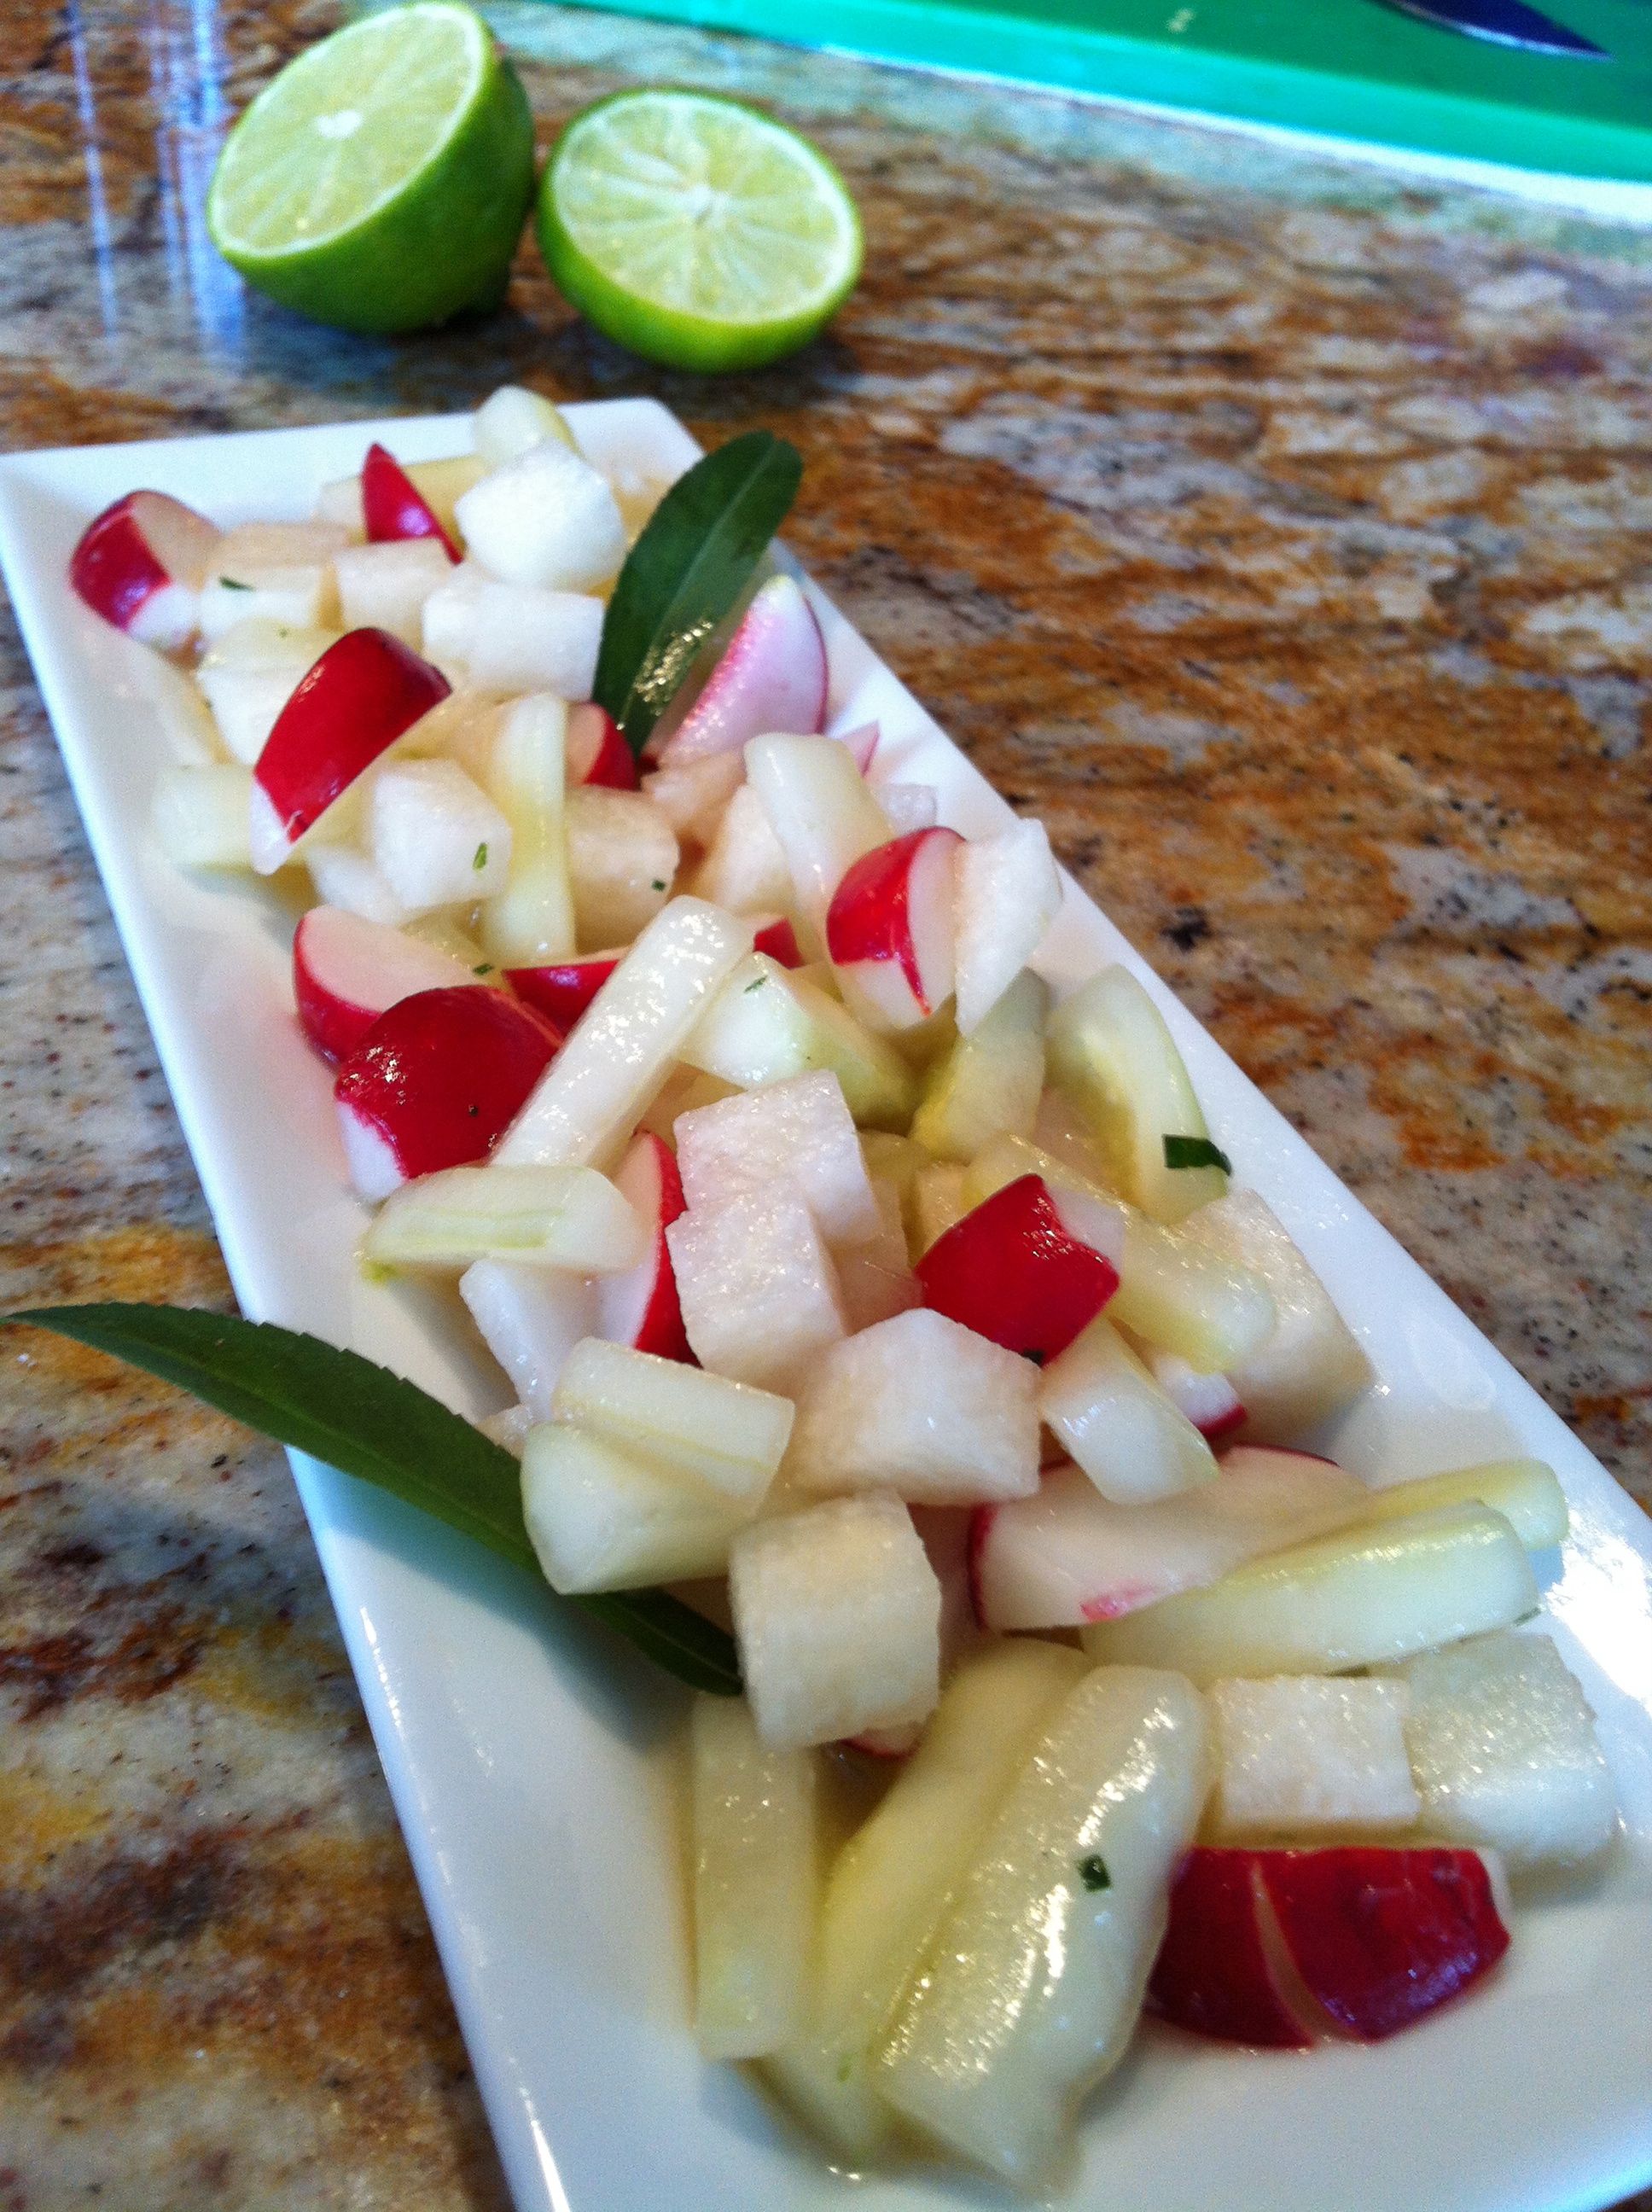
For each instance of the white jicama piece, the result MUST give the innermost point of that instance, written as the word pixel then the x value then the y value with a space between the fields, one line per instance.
pixel 513 420
pixel 600 1517
pixel 1524 1491
pixel 875 1280
pixel 202 815
pixel 890 1883
pixel 530 1319
pixel 769 1023
pixel 1311 1366
pixel 313 543
pixel 297 595
pixel 589 1099
pixel 723 1435
pixel 1504 1748
pixel 621 862
pixel 528 639
pixel 1028 1992
pixel 448 623
pixel 385 586
pixel 1306 1755
pixel 799 1131
pixel 988 1084
pixel 1363 1597
pixel 570 1217
pixel 756 1883
pixel 546 518
pixel 1124 1432
pixel 529 921
pixel 1006 894
pixel 823 816
pixel 1112 1052
pixel 508 1429
pixel 837 1615
pixel 249 674
pixel 346 878
pixel 937 1203
pixel 908 807
pixel 922 1407
pixel 759 1290
pixel 1210 1401
pixel 436 836
pixel 693 797
pixel 1069 1555
pixel 745 868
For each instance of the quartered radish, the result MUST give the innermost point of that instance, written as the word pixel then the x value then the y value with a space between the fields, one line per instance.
pixel 597 751
pixel 563 990
pixel 890 931
pixel 393 507
pixel 776 937
pixel 823 818
pixel 347 972
pixel 771 677
pixel 641 1307
pixel 1014 1271
pixel 141 565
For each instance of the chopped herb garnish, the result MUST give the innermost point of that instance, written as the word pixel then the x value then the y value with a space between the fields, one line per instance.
pixel 486 966
pixel 658 886
pixel 755 984
pixel 1195 1153
pixel 1093 1872
pixel 234 584
pixel 481 862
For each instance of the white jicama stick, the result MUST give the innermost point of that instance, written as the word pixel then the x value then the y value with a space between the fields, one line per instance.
pixel 530 1319
pixel 531 922
pixel 569 1218
pixel 588 1101
pixel 722 1434
pixel 622 863
pixel 819 808
pixel 1028 1992
pixel 755 1882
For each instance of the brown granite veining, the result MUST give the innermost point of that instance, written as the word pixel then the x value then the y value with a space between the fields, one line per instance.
pixel 1277 531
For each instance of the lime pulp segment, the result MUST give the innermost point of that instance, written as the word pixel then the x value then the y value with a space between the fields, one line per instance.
pixel 342 128
pixel 704 208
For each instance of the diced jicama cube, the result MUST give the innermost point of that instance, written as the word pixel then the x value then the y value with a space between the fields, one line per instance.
pixel 257 573
pixel 569 1218
pixel 621 862
pixel 1359 1598
pixel 1311 1366
pixel 1307 1755
pixel 799 1132
pixel 202 815
pixel 1029 1991
pixel 435 837
pixel 1124 1432
pixel 1112 1052
pixel 937 1203
pixel 508 1429
pixel 874 1278
pixel 512 420
pixel 693 798
pixel 385 586
pixel 988 1084
pixel 249 674
pixel 744 869
pixel 347 879
pixel 1007 893
pixel 529 919
pixel 889 1884
pixel 759 1293
pixel 601 1518
pixel 530 1319
pixel 724 1436
pixel 448 621
pixel 923 1407
pixel 837 1615
pixel 756 1883
pixel 513 637
pixel 1504 1748
pixel 547 518
pixel 594 1093
pixel 822 815
pixel 1524 1491
pixel 1069 1555
pixel 908 807
pixel 769 1023
pixel 1210 1401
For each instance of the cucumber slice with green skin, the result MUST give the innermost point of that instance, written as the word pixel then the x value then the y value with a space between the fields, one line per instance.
pixel 568 1218
pixel 757 1852
pixel 1132 1442
pixel 1112 1053
pixel 1524 1491
pixel 1029 1991
pixel 769 1023
pixel 1365 1596
pixel 888 1888
pixel 988 1084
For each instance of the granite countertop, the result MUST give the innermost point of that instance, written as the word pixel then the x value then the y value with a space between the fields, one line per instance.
pixel 1276 531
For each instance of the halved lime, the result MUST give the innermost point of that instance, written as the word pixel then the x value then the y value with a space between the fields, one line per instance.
pixel 696 231
pixel 380 182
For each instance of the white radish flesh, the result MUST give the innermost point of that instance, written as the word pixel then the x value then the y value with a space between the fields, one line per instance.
pixel 530 1319
pixel 1135 1446
pixel 1007 895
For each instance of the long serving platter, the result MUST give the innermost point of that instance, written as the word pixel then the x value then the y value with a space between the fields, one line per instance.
pixel 529 1759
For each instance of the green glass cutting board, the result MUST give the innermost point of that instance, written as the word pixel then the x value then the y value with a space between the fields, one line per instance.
pixel 1350 67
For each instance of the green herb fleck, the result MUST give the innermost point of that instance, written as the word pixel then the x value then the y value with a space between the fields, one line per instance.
pixel 1195 1153
pixel 481 861
pixel 755 984
pixel 234 584
pixel 845 2069
pixel 1093 1872
pixel 486 968
pixel 658 886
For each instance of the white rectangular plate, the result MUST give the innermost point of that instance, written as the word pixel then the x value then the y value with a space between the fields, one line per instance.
pixel 529 1757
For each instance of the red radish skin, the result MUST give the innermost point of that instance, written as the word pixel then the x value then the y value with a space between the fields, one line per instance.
pixel 886 1743
pixel 772 676
pixel 1225 1425
pixel 563 991
pixel 893 912
pixel 1011 1272
pixel 780 941
pixel 863 743
pixel 347 972
pixel 597 751
pixel 140 563
pixel 436 1081
pixel 1214 1976
pixel 393 506
pixel 352 705
pixel 641 1307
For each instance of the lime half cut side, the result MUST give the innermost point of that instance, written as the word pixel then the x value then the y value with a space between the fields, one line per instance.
pixel 380 182
pixel 696 231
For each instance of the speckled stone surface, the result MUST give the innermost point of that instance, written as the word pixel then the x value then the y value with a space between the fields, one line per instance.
pixel 1277 531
